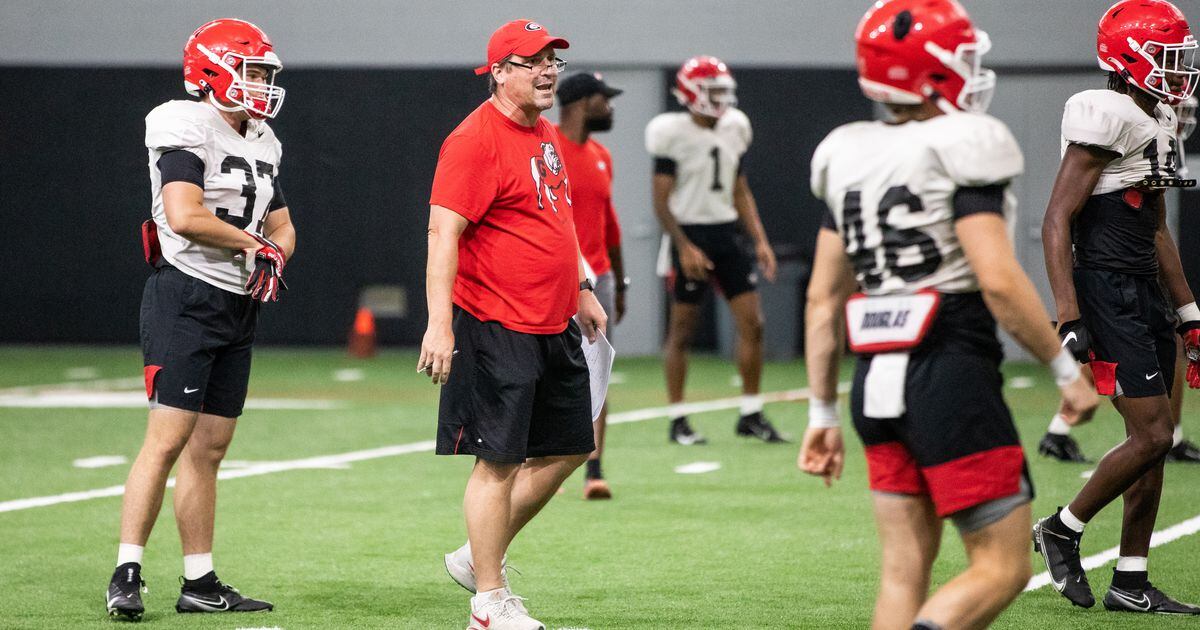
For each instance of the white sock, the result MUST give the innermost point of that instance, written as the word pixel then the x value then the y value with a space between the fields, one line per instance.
pixel 1177 436
pixel 484 597
pixel 751 403
pixel 129 553
pixel 1131 563
pixel 1058 426
pixel 1070 520
pixel 197 565
pixel 675 411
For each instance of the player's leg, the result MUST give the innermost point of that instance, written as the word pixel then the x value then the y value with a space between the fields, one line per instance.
pixel 196 487
pixel 534 486
pixel 487 503
pixel 997 571
pixel 909 535
pixel 595 487
pixel 684 321
pixel 746 308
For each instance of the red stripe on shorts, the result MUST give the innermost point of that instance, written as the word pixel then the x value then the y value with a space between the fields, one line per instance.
pixel 458 439
pixel 891 468
pixel 974 479
pixel 150 372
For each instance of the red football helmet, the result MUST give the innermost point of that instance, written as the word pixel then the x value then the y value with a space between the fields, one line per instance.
pixel 215 59
pixel 705 86
pixel 1149 43
pixel 910 51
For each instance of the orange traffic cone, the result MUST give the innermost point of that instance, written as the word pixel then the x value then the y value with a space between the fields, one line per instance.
pixel 362 336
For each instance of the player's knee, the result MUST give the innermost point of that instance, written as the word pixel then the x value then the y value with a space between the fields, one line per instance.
pixel 162 453
pixel 751 330
pixel 1155 443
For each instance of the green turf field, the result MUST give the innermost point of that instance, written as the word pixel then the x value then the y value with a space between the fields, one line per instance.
pixel 755 544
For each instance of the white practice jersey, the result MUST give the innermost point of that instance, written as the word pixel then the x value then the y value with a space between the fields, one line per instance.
pixel 239 178
pixel 706 163
pixel 890 191
pixel 1110 120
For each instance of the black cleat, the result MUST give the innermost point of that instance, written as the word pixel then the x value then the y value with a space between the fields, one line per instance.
pixel 755 425
pixel 209 595
pixel 1059 547
pixel 1146 600
pixel 1184 451
pixel 1064 448
pixel 124 597
pixel 682 433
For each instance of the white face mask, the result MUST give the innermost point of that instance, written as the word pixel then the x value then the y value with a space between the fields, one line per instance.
pixel 260 97
pixel 979 83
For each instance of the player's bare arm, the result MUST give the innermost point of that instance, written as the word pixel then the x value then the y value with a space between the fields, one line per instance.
pixel 1077 177
pixel 437 346
pixel 693 261
pixel 1013 300
pixel 279 229
pixel 618 267
pixel 822 452
pixel 183 203
pixel 747 209
pixel 1170 268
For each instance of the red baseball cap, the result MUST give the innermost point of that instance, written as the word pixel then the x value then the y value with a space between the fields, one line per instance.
pixel 518 37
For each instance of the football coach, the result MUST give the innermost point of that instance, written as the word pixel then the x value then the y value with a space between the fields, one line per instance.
pixel 504 279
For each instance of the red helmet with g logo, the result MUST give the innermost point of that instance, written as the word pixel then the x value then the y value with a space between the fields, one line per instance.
pixel 911 51
pixel 705 86
pixel 1149 43
pixel 215 59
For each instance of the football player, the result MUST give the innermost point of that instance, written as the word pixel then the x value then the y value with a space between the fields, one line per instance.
pixel 218 239
pixel 706 209
pixel 919 220
pixel 1107 247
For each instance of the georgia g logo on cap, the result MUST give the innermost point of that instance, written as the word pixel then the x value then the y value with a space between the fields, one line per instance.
pixel 533 26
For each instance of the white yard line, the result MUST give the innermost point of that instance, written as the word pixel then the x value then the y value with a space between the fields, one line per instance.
pixel 1159 538
pixel 341 459
pixel 69 399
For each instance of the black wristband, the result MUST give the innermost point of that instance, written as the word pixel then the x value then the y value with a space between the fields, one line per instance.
pixel 587 285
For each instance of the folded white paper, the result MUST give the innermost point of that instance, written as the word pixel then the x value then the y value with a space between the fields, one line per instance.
pixel 599 358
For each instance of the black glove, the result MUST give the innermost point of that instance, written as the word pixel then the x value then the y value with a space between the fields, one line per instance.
pixel 266 281
pixel 1076 340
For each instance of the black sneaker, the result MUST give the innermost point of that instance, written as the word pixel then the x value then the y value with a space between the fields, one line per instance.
pixel 1184 451
pixel 755 425
pixel 125 590
pixel 1064 448
pixel 682 433
pixel 1146 600
pixel 1059 547
pixel 208 595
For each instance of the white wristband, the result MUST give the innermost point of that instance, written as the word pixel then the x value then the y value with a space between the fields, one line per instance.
pixel 1189 313
pixel 823 414
pixel 1064 368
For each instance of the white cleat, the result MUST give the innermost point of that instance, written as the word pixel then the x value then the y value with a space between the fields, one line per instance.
pixel 501 610
pixel 461 569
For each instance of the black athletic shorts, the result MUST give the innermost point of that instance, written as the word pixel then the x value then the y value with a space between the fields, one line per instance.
pixel 514 395
pixel 732 258
pixel 1130 324
pixel 955 440
pixel 196 341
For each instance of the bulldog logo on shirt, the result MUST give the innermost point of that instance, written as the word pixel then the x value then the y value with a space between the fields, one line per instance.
pixel 550 178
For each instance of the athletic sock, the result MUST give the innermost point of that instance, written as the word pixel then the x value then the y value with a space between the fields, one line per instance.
pixel 676 412
pixel 197 565
pixel 1131 564
pixel 1130 580
pixel 129 553
pixel 751 403
pixel 593 469
pixel 1058 426
pixel 484 597
pixel 925 624
pixel 1177 436
pixel 1070 521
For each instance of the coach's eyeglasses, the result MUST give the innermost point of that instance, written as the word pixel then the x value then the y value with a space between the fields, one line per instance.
pixel 559 64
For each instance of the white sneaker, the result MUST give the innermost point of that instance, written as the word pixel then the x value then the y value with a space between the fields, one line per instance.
pixel 501 610
pixel 461 569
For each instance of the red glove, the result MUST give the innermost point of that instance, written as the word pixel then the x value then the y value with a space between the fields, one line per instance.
pixel 266 281
pixel 1190 331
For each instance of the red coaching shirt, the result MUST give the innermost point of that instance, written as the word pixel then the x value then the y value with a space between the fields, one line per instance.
pixel 517 261
pixel 591 194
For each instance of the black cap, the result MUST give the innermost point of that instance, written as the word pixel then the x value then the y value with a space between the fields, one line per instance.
pixel 579 85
